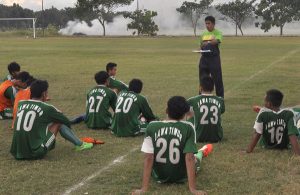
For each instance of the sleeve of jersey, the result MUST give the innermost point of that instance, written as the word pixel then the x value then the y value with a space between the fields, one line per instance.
pixel 258 125
pixel 113 101
pixel 146 110
pixel 292 129
pixel 190 145
pixel 58 117
pixel 222 106
pixel 10 93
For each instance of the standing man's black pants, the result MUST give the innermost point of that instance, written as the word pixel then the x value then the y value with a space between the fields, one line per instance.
pixel 211 66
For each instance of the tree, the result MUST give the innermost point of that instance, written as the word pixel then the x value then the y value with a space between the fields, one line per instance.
pixel 103 10
pixel 278 13
pixel 238 11
pixel 194 11
pixel 142 21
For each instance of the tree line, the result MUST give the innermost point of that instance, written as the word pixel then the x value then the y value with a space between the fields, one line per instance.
pixel 265 14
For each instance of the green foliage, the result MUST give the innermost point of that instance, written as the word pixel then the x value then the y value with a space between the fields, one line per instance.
pixel 194 11
pixel 103 10
pixel 142 21
pixel 278 13
pixel 238 11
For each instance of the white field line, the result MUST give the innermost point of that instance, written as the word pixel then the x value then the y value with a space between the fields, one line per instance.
pixel 262 70
pixel 116 161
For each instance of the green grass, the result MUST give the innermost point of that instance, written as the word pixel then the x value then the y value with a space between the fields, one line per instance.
pixel 167 67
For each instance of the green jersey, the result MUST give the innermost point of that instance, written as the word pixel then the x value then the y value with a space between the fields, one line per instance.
pixel 116 84
pixel 128 110
pixel 98 101
pixel 169 141
pixel 207 117
pixel 8 77
pixel 297 117
pixel 31 138
pixel 275 127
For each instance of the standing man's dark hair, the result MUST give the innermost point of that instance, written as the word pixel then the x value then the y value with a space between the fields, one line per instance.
pixel 136 85
pixel 211 19
pixel 210 62
pixel 207 84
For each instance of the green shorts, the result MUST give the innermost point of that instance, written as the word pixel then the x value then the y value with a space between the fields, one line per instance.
pixel 47 145
pixel 6 114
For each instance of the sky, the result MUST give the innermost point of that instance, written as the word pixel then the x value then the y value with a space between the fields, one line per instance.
pixel 168 19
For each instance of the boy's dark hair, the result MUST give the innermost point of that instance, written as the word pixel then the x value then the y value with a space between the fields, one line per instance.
pixel 110 66
pixel 136 85
pixel 275 97
pixel 211 19
pixel 101 77
pixel 37 88
pixel 30 80
pixel 13 67
pixel 23 76
pixel 177 107
pixel 207 83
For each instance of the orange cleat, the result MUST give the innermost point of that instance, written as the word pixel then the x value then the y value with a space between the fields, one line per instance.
pixel 206 149
pixel 92 140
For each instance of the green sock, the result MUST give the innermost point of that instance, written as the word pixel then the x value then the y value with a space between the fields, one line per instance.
pixel 199 155
pixel 68 134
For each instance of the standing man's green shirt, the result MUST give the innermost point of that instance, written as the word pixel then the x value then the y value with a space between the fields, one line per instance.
pixel 116 84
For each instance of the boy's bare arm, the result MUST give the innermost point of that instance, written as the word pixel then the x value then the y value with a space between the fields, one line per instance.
pixel 255 139
pixel 148 163
pixel 295 145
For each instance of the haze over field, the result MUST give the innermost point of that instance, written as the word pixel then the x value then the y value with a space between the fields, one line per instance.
pixel 168 19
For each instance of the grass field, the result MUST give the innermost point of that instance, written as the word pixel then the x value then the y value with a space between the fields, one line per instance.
pixel 167 67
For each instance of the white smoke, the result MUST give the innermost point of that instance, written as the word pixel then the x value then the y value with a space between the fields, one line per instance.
pixel 169 22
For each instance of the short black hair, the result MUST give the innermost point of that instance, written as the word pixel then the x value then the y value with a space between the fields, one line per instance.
pixel 101 77
pixel 30 80
pixel 110 66
pixel 136 85
pixel 13 67
pixel 211 19
pixel 177 107
pixel 23 76
pixel 38 87
pixel 207 83
pixel 275 97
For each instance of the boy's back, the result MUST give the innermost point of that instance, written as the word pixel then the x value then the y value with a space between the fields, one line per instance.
pixel 169 141
pixel 99 100
pixel 276 127
pixel 31 128
pixel 207 117
pixel 129 107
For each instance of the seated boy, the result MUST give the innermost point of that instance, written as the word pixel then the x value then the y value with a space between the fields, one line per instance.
pixel 99 100
pixel 8 90
pixel 129 109
pixel 170 149
pixel 13 69
pixel 37 125
pixel 207 113
pixel 114 84
pixel 276 127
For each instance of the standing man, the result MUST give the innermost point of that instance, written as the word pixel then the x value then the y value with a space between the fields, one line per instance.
pixel 210 62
